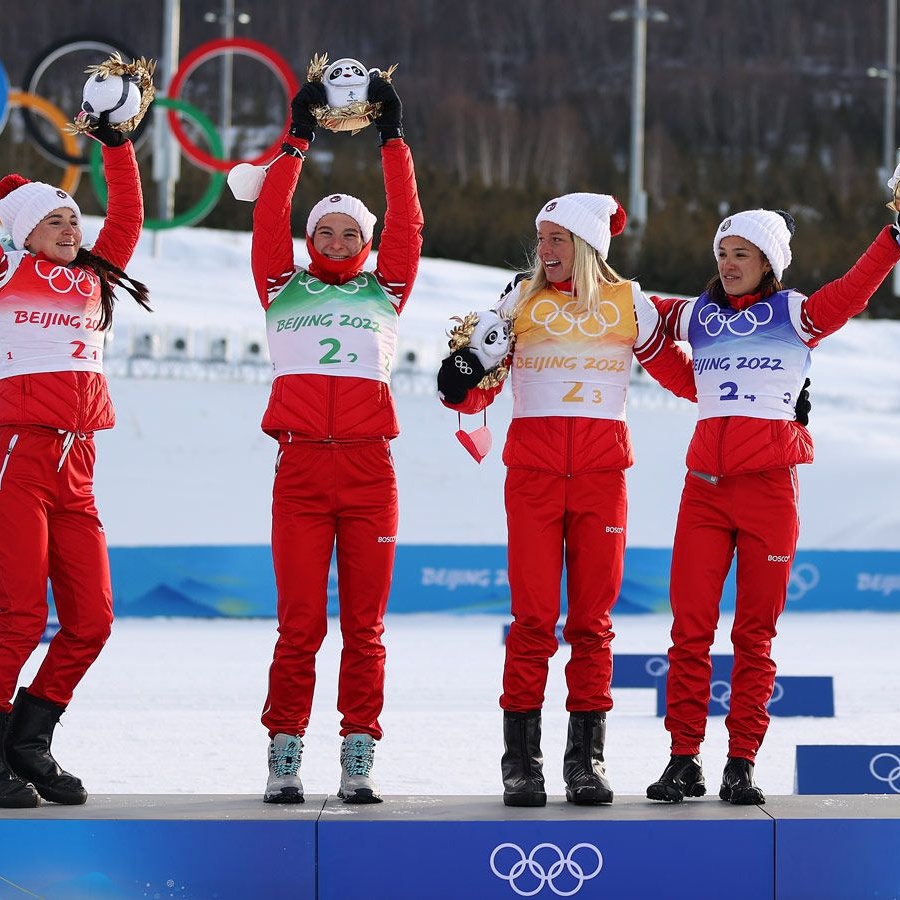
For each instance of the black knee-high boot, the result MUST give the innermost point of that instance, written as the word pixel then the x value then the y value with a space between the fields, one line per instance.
pixel 28 736
pixel 584 770
pixel 14 793
pixel 523 764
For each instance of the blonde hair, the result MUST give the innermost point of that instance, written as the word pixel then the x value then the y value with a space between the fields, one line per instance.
pixel 589 272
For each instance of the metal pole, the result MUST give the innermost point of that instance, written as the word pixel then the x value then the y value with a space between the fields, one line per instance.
pixel 637 211
pixel 890 90
pixel 227 73
pixel 166 156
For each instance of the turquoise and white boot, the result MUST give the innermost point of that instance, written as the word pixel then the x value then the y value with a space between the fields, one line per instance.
pixel 284 785
pixel 357 757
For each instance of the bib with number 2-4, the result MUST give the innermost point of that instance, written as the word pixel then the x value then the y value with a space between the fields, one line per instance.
pixel 747 362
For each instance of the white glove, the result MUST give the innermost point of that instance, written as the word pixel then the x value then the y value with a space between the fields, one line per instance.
pixel 894 179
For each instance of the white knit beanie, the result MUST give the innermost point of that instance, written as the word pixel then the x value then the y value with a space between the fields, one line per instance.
pixel 349 206
pixel 24 203
pixel 593 217
pixel 765 229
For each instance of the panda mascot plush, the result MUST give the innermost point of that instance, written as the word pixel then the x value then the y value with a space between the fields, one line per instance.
pixel 480 348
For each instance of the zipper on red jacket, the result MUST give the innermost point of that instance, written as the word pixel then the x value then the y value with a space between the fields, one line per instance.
pixel 720 447
pixel 570 446
pixel 79 412
pixel 332 402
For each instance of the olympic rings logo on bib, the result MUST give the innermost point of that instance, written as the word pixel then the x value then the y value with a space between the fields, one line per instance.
pixel 714 320
pixel 61 279
pixel 562 320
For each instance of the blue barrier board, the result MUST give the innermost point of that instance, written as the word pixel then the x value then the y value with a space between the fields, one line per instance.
pixel 648 669
pixel 847 769
pixel 237 580
pixel 91 859
pixel 793 695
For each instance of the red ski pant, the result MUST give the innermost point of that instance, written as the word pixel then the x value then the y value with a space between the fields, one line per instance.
pixel 754 515
pixel 328 494
pixel 49 529
pixel 551 519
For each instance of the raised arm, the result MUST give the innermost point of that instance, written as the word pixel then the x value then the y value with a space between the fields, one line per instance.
pixel 834 304
pixel 272 247
pixel 401 238
pixel 125 210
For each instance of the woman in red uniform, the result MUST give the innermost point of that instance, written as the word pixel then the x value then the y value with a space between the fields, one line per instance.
pixel 332 332
pixel 56 301
pixel 577 324
pixel 751 340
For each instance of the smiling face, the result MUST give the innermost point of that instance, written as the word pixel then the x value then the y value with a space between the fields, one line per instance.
pixel 742 266
pixel 556 251
pixel 57 236
pixel 337 236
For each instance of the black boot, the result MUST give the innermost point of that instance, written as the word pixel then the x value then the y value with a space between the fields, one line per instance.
pixel 14 793
pixel 522 764
pixel 583 768
pixel 738 785
pixel 682 777
pixel 27 744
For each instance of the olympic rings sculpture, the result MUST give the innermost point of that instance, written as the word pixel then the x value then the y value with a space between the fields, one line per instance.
pixel 546 876
pixel 68 154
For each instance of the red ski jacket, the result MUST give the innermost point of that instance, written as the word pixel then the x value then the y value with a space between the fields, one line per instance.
pixel 324 407
pixel 575 445
pixel 76 400
pixel 732 445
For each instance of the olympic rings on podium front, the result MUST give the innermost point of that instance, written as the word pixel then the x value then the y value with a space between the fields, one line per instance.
pixel 216 181
pixel 207 51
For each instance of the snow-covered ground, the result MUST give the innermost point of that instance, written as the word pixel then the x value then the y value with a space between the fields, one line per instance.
pixel 173 705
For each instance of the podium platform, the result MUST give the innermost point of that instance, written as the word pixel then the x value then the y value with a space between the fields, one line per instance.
pixel 459 848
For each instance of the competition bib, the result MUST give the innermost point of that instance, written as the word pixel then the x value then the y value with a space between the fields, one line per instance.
pixel 49 319
pixel 348 330
pixel 573 363
pixel 747 362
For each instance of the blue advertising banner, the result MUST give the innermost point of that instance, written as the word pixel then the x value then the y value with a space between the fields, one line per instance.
pixel 212 581
pixel 847 769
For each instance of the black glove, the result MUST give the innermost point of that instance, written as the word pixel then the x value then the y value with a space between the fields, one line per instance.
pixel 389 120
pixel 458 374
pixel 803 404
pixel 303 122
pixel 105 133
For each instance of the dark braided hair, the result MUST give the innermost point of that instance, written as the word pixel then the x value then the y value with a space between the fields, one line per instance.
pixel 111 277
